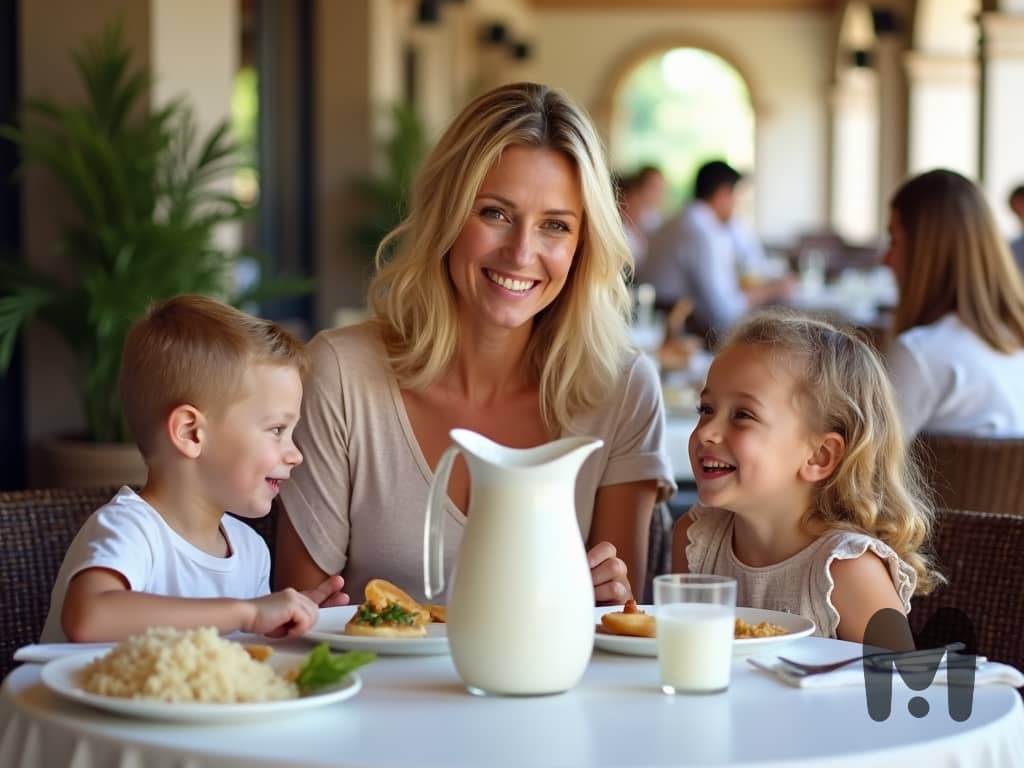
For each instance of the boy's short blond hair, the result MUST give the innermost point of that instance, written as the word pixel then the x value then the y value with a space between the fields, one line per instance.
pixel 195 350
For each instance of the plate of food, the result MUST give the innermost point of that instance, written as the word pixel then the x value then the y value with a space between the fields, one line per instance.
pixel 197 676
pixel 388 622
pixel 629 630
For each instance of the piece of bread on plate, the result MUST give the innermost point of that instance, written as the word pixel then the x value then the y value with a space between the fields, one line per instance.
pixel 388 611
pixel 438 613
pixel 629 621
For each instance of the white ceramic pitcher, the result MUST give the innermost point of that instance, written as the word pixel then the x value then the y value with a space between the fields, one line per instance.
pixel 521 603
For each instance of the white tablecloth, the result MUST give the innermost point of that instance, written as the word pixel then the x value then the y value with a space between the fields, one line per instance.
pixel 414 711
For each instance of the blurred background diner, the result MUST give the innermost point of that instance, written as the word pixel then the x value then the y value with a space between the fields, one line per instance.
pixel 706 253
pixel 817 110
pixel 1017 206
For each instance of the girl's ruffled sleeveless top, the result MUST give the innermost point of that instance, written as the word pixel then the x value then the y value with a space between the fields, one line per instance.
pixel 801 584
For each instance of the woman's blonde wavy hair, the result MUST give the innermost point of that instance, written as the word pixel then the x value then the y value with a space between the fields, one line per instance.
pixel 955 260
pixel 844 388
pixel 579 342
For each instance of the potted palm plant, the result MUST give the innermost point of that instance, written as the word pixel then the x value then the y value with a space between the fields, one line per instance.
pixel 149 194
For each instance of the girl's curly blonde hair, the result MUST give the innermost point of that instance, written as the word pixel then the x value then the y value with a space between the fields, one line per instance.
pixel 844 388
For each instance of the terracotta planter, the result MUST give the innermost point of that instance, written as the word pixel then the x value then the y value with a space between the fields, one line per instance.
pixel 84 464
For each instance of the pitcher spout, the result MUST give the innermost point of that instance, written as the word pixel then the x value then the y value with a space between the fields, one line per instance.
pixel 564 455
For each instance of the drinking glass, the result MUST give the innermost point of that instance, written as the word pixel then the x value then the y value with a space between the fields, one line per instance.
pixel 695 616
pixel 813 263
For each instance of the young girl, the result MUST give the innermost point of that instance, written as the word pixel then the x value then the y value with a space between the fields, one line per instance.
pixel 806 493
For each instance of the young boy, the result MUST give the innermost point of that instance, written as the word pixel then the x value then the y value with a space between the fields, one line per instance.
pixel 212 396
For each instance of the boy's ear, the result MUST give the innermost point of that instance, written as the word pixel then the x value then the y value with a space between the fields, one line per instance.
pixel 185 428
pixel 828 451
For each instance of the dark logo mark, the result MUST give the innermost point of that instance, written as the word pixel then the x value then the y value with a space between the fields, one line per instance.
pixel 918 669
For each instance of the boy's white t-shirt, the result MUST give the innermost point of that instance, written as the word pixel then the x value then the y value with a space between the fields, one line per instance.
pixel 130 537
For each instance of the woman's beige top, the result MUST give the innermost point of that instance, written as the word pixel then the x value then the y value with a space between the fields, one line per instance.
pixel 359 497
pixel 801 584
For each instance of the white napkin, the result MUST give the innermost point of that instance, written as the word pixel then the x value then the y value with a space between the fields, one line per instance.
pixel 987 673
pixel 41 652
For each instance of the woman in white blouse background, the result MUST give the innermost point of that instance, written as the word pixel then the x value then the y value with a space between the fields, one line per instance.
pixel 957 361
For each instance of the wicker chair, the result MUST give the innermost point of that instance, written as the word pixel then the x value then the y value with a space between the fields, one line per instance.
pixel 983 474
pixel 36 528
pixel 659 549
pixel 981 555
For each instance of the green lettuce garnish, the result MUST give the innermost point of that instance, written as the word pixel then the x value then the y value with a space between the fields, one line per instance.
pixel 323 668
pixel 392 614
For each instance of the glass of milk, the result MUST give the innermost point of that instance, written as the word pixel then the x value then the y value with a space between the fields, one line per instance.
pixel 695 617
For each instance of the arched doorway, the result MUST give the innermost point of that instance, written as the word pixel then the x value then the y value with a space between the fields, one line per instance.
pixel 677 107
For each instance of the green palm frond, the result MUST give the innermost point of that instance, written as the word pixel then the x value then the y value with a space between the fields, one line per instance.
pixel 17 309
pixel 384 196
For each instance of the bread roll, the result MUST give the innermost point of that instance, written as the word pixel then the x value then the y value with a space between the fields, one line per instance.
pixel 635 624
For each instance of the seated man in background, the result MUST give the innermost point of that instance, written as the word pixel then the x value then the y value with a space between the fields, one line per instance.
pixel 652 188
pixel 641 196
pixel 703 253
pixel 630 198
pixel 1017 206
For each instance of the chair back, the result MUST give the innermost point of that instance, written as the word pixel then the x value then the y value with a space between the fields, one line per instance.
pixel 979 473
pixel 659 550
pixel 981 556
pixel 36 529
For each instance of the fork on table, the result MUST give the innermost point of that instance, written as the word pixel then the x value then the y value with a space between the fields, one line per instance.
pixel 817 669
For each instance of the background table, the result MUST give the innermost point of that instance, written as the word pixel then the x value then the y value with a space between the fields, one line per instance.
pixel 414 711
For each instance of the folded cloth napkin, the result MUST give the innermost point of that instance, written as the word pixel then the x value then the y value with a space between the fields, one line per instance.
pixel 987 673
pixel 41 652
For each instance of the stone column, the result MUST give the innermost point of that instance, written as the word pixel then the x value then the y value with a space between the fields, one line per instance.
pixel 892 120
pixel 195 55
pixel 1002 121
pixel 356 76
pixel 944 117
pixel 433 75
pixel 460 28
pixel 855 135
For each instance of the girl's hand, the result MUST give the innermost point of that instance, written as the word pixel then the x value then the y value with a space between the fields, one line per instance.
pixel 328 592
pixel 608 572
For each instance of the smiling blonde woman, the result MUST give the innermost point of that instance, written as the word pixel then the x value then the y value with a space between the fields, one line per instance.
pixel 499 305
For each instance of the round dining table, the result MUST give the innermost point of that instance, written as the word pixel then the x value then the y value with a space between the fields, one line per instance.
pixel 415 711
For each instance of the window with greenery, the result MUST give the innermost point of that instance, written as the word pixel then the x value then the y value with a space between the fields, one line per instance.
pixel 678 109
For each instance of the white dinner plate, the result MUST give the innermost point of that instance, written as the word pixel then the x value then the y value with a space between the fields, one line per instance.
pixel 330 629
pixel 62 676
pixel 796 626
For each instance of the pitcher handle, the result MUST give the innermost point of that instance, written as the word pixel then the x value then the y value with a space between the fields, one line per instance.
pixel 433 528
